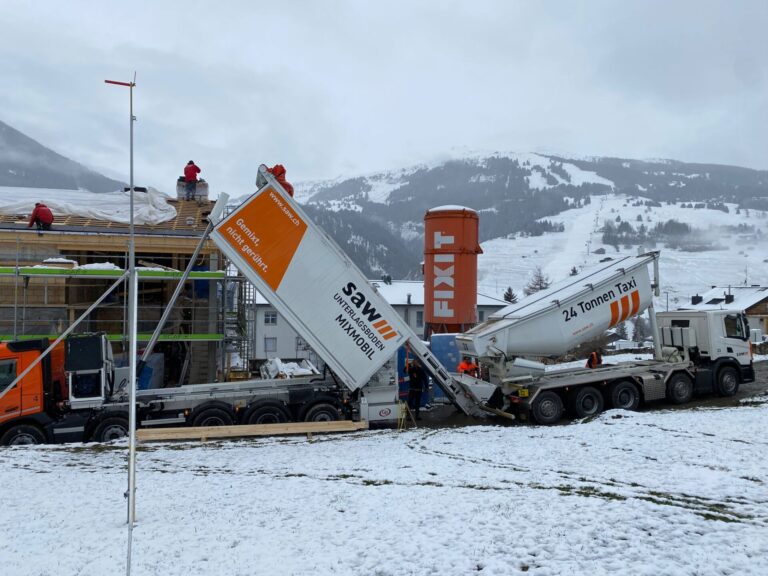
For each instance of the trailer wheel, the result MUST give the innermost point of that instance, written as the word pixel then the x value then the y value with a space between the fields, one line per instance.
pixel 727 381
pixel 322 412
pixel 625 395
pixel 587 401
pixel 266 413
pixel 22 435
pixel 547 408
pixel 680 389
pixel 213 417
pixel 110 429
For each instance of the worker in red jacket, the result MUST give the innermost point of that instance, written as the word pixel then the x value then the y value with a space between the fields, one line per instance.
pixel 278 171
pixel 467 366
pixel 190 178
pixel 42 216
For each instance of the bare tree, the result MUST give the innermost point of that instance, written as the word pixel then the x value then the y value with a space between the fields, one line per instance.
pixel 540 281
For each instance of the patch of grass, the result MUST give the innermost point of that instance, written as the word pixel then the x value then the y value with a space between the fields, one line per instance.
pixel 377 482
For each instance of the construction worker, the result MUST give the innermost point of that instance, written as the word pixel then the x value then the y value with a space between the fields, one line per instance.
pixel 417 383
pixel 42 216
pixel 190 178
pixel 278 171
pixel 467 366
pixel 595 359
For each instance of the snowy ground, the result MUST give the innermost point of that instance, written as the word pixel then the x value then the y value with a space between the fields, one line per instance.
pixel 511 262
pixel 659 492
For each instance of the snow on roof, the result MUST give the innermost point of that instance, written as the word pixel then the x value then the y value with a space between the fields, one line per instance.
pixel 150 207
pixel 743 297
pixel 398 291
pixel 450 208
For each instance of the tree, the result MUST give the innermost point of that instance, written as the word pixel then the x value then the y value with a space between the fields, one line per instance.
pixel 641 329
pixel 621 330
pixel 573 271
pixel 540 281
pixel 510 296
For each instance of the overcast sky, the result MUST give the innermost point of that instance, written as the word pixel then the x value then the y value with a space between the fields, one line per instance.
pixel 339 88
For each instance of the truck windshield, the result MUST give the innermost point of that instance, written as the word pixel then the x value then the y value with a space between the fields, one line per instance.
pixel 734 327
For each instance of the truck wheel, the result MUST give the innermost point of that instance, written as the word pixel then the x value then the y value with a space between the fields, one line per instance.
pixel 322 412
pixel 587 401
pixel 727 381
pixel 680 389
pixel 21 435
pixel 625 395
pixel 547 408
pixel 266 413
pixel 110 429
pixel 213 417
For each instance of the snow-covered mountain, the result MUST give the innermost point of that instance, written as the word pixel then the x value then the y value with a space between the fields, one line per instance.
pixel 530 204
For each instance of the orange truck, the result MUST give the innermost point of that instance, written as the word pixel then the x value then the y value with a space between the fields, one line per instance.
pixel 33 404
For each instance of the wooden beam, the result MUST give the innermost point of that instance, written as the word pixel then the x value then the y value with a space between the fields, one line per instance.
pixel 209 432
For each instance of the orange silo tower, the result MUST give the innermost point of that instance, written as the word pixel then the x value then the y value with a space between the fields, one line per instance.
pixel 450 269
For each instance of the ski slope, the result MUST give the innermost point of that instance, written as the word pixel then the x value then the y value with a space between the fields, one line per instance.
pixel 511 261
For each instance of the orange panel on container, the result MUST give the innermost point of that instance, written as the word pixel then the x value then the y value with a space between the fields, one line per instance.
pixel 450 268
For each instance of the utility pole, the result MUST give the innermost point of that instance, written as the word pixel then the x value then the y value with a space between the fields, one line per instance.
pixel 132 347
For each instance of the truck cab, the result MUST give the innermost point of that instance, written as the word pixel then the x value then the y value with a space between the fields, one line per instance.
pixel 716 342
pixel 32 403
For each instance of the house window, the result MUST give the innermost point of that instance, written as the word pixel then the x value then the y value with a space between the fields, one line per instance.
pixel 481 315
pixel 270 344
pixel 420 319
pixel 270 318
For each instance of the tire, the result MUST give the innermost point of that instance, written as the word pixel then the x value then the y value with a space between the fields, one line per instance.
pixel 21 435
pixel 548 408
pixel 322 412
pixel 680 389
pixel 587 401
pixel 727 381
pixel 625 395
pixel 109 429
pixel 213 417
pixel 266 413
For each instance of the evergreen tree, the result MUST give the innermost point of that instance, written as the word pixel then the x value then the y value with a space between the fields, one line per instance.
pixel 540 281
pixel 573 271
pixel 641 329
pixel 510 296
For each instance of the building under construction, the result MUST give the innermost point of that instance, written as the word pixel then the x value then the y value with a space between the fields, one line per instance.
pixel 49 279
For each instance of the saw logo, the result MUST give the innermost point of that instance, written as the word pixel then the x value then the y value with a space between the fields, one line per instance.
pixel 368 311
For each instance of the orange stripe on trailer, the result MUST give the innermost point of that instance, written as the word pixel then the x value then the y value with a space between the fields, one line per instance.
pixel 390 335
pixel 380 323
pixel 614 313
pixel 624 308
pixel 635 302
pixel 384 329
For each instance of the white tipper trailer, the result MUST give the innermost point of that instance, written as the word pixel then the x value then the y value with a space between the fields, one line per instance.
pixel 694 351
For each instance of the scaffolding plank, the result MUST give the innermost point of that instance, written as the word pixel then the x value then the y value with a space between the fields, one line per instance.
pixel 210 432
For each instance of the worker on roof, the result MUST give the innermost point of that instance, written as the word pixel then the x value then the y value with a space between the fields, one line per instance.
pixel 278 171
pixel 190 178
pixel 42 216
pixel 467 366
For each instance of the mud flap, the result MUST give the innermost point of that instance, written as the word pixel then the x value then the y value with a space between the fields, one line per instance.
pixel 496 400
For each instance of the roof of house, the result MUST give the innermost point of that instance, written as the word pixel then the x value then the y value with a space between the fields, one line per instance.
pixel 744 297
pixel 190 220
pixel 398 291
pixel 78 211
